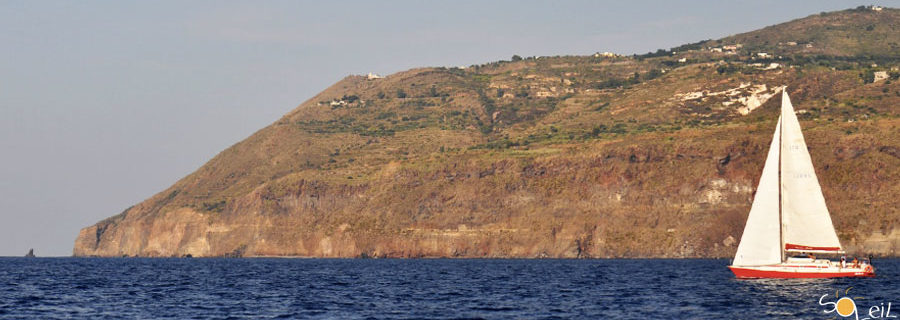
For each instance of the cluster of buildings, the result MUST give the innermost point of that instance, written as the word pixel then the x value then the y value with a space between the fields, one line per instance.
pixel 605 54
pixel 727 49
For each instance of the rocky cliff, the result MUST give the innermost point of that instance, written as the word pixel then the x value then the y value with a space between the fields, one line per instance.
pixel 652 155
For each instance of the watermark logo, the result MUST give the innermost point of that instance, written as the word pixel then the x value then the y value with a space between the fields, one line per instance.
pixel 846 307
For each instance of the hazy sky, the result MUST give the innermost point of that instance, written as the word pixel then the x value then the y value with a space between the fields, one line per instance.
pixel 105 103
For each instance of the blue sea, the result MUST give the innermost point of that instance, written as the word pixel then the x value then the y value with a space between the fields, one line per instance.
pixel 136 288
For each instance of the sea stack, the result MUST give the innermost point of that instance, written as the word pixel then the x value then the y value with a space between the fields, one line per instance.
pixel 30 253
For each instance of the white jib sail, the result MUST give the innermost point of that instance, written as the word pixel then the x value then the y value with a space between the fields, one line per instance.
pixel 761 241
pixel 807 224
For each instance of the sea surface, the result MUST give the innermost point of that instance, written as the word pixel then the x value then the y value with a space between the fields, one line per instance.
pixel 136 288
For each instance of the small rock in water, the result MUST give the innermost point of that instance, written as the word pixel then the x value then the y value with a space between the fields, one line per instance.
pixel 30 253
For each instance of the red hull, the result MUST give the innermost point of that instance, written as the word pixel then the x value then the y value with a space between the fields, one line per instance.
pixel 746 273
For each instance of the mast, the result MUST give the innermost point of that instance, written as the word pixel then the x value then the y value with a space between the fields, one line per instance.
pixel 780 183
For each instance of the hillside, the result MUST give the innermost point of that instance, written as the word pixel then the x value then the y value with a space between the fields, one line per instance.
pixel 652 155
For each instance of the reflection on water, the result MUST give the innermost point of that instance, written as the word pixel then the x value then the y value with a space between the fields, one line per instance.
pixel 787 297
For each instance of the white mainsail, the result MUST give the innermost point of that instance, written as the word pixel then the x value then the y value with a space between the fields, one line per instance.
pixel 788 185
pixel 807 224
pixel 761 241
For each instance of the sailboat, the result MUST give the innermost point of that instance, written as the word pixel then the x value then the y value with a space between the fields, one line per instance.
pixel 789 217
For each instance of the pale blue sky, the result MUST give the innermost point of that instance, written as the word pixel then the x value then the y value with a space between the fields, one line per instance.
pixel 104 103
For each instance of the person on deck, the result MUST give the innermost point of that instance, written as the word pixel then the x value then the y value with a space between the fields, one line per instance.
pixel 843 261
pixel 855 262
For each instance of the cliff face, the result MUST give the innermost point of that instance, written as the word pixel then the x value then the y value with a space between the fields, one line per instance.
pixel 554 157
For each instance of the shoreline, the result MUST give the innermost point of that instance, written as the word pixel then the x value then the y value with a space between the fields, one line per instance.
pixel 426 258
